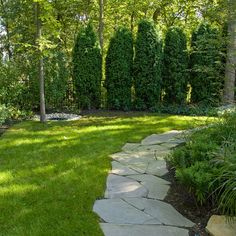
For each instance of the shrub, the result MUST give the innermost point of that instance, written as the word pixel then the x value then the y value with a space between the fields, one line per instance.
pixel 147 66
pixel 207 164
pixel 175 66
pixel 206 65
pixel 87 69
pixel 119 63
pixel 3 114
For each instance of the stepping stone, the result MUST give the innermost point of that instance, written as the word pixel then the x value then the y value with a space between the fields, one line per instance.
pixel 130 147
pixel 141 230
pixel 119 186
pixel 157 168
pixel 141 155
pixel 119 169
pixel 157 187
pixel 118 211
pixel 160 138
pixel 161 211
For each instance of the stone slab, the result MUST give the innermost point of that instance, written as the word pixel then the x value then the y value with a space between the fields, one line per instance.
pixel 219 226
pixel 119 186
pixel 119 169
pixel 141 230
pixel 130 147
pixel 157 168
pixel 157 187
pixel 119 212
pixel 161 138
pixel 161 211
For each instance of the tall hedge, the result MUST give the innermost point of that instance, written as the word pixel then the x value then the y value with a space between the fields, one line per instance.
pixel 87 69
pixel 147 66
pixel 119 63
pixel 175 66
pixel 206 65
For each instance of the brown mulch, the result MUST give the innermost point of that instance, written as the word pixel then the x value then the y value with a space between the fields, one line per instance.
pixel 185 203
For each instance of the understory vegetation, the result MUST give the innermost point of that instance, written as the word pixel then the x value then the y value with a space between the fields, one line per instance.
pixel 207 164
pixel 51 174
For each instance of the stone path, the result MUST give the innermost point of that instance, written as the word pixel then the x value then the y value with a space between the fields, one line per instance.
pixel 133 203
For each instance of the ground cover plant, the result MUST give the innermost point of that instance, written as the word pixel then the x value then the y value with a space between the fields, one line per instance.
pixel 207 165
pixel 51 174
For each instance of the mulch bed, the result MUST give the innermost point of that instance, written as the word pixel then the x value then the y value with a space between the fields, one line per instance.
pixel 184 202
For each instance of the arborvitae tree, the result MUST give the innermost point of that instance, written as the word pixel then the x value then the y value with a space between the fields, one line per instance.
pixel 147 66
pixel 206 67
pixel 87 69
pixel 119 63
pixel 175 66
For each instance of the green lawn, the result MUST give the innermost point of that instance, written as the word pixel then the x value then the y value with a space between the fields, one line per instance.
pixel 51 174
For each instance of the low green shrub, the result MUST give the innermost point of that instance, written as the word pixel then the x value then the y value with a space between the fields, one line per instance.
pixel 207 164
pixel 3 114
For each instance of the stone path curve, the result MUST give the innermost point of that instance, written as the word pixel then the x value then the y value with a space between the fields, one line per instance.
pixel 133 204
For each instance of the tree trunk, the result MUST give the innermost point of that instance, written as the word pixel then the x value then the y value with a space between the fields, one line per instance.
pixel 101 23
pixel 230 71
pixel 40 66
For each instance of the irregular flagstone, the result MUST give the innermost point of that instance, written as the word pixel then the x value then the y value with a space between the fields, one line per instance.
pixel 119 186
pixel 119 212
pixel 141 230
pixel 141 155
pixel 119 169
pixel 129 147
pixel 161 211
pixel 161 138
pixel 157 168
pixel 157 187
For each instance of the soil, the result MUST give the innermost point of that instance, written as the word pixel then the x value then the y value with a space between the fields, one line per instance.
pixel 184 202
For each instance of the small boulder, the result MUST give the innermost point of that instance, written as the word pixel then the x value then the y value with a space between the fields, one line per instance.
pixel 220 226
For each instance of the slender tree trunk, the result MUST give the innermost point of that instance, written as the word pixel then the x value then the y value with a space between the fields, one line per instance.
pixel 40 65
pixel 230 71
pixel 6 25
pixel 101 24
pixel 132 22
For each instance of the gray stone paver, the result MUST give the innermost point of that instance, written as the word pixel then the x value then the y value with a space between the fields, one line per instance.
pixel 136 189
pixel 142 230
pixel 120 186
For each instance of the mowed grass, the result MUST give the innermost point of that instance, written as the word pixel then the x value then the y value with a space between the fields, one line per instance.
pixel 51 174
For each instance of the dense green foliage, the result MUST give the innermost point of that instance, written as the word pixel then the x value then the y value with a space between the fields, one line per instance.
pixel 206 65
pixel 175 66
pixel 206 165
pixel 119 65
pixel 147 66
pixel 87 69
pixel 52 173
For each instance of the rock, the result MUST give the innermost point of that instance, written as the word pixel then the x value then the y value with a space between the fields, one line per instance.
pixel 141 230
pixel 160 138
pixel 161 211
pixel 119 186
pixel 219 226
pixel 119 212
pixel 157 187
pixel 157 168
pixel 129 147
pixel 119 169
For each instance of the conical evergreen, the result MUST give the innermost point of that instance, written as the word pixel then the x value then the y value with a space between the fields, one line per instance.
pixel 87 69
pixel 119 63
pixel 175 66
pixel 147 66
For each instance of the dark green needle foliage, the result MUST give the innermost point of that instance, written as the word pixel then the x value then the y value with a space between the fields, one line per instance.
pixel 119 63
pixel 206 65
pixel 87 69
pixel 175 66
pixel 147 66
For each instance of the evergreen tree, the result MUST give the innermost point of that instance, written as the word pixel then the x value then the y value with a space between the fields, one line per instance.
pixel 119 62
pixel 175 66
pixel 206 66
pixel 87 69
pixel 147 66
